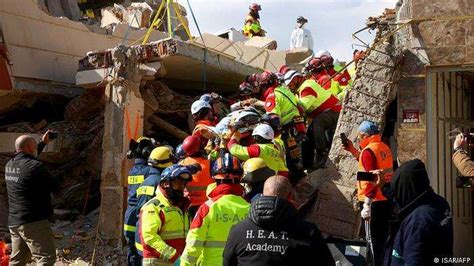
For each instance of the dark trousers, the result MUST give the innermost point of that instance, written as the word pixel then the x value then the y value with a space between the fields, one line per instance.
pixel 294 163
pixel 133 258
pixel 380 215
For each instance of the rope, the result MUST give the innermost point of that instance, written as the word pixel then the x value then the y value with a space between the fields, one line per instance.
pixel 204 71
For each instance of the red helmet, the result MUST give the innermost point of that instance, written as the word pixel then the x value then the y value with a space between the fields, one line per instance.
pixel 191 145
pixel 266 79
pixel 252 80
pixel 255 7
pixel 283 69
pixel 314 65
pixel 327 60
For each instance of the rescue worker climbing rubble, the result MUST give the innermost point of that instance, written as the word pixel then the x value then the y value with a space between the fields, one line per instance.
pixel 321 107
pixel 226 207
pixel 164 222
pixel 375 155
pixel 281 101
pixel 139 150
pixel 252 22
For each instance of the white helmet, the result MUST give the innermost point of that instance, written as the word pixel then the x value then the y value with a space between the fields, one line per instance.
pixel 289 75
pixel 265 131
pixel 323 52
pixel 198 105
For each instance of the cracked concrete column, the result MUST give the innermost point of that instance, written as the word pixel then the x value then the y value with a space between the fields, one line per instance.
pixel 123 120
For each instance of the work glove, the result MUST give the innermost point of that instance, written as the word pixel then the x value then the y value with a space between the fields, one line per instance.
pixel 459 141
pixel 366 213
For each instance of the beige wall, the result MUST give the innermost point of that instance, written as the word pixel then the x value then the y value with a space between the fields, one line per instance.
pixel 48 48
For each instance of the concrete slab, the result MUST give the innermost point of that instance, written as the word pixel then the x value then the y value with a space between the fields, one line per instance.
pixel 54 44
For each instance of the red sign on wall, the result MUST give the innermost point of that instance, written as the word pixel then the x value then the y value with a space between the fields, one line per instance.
pixel 411 116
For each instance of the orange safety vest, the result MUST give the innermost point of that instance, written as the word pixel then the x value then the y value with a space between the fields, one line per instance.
pixel 197 187
pixel 384 161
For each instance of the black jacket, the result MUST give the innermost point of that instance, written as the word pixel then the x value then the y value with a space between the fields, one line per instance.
pixel 273 235
pixel 423 230
pixel 29 187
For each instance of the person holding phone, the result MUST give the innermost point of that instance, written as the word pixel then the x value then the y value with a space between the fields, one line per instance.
pixel 29 188
pixel 374 155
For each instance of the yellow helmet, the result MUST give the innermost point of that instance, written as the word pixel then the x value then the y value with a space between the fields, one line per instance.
pixel 256 170
pixel 161 157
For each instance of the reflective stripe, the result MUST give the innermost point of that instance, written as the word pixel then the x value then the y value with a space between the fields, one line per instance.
pixel 146 190
pixel 173 234
pixel 196 188
pixel 195 243
pixel 187 258
pixel 155 262
pixel 168 252
pixel 139 246
pixel 135 179
pixel 129 228
pixel 215 244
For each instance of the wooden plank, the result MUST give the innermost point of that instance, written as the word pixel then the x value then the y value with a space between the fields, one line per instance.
pixel 432 90
pixel 441 130
pixel 447 142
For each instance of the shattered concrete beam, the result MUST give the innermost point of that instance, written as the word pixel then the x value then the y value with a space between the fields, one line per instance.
pixel 182 60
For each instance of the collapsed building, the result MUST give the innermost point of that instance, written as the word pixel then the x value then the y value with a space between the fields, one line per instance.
pixel 99 88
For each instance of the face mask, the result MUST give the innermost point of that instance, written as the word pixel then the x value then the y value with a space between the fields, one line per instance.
pixel 174 195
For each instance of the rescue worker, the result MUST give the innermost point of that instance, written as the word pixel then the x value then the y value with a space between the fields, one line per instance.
pixel 264 148
pixel 461 158
pixel 226 207
pixel 321 107
pixel 160 158
pixel 314 69
pixel 281 101
pixel 203 117
pixel 252 23
pixel 140 151
pixel 256 172
pixel 248 97
pixel 375 155
pixel 164 222
pixel 339 83
pixel 273 120
pixel 201 179
pixel 301 37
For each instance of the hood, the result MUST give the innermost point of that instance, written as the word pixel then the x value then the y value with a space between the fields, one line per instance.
pixel 410 183
pixel 272 212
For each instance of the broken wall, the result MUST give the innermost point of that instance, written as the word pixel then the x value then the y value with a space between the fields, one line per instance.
pixel 441 34
pixel 372 92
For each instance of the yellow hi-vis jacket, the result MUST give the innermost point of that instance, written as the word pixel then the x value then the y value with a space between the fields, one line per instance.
pixel 252 27
pixel 210 227
pixel 162 228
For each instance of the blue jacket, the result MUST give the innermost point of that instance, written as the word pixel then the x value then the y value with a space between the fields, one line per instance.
pixel 137 175
pixel 425 234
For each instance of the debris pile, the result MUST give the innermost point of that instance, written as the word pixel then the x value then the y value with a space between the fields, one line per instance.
pixel 137 15
pixel 75 157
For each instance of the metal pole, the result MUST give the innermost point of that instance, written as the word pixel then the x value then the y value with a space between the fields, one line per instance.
pixel 168 13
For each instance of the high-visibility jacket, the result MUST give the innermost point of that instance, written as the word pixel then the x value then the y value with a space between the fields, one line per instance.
pixel 280 144
pixel 281 101
pixel 137 175
pixel 341 82
pixel 270 153
pixel 210 227
pixel 315 99
pixel 162 228
pixel 145 193
pixel 252 27
pixel 384 161
pixel 197 187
